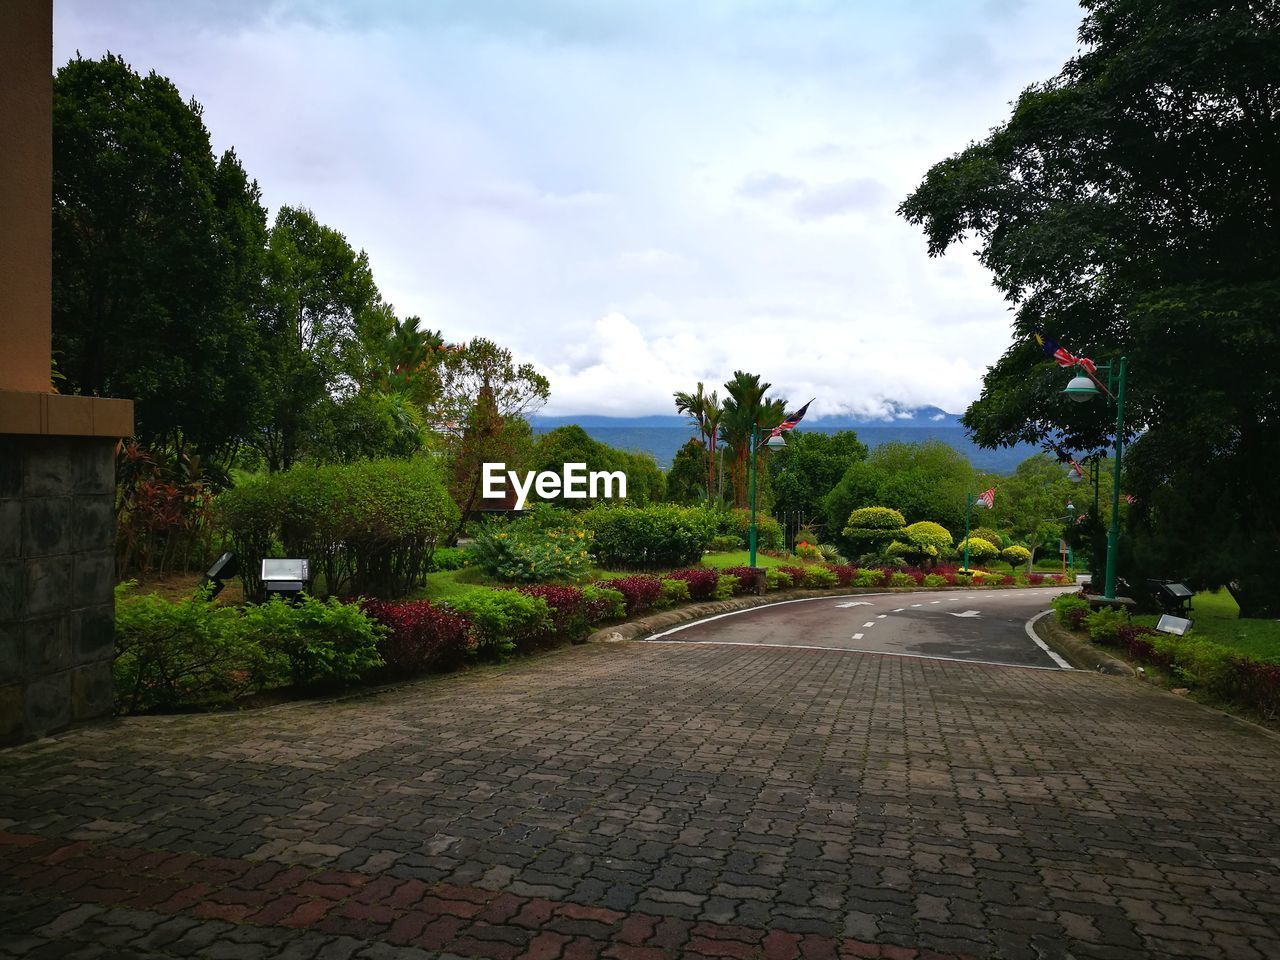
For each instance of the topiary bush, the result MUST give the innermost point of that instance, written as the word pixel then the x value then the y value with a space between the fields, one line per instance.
pixel 648 537
pixel 368 528
pixel 980 550
pixel 991 535
pixel 926 542
pixel 502 620
pixel 873 528
pixel 419 636
pixel 1015 556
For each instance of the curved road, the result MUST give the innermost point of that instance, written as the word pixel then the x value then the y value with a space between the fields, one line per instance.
pixel 983 626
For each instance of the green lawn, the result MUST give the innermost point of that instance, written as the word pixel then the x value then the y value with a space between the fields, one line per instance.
pixel 741 558
pixel 1217 618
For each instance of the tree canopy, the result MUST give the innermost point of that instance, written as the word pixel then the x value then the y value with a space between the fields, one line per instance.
pixel 1131 205
pixel 809 466
pixel 924 481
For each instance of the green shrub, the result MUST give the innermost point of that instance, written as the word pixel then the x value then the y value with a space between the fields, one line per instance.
pixel 831 554
pixel 934 580
pixel 991 535
pixel 964 579
pixel 1201 663
pixel 368 528
pixel 897 579
pixel 926 542
pixel 546 545
pixel 819 578
pixel 606 603
pixel 448 558
pixel 673 592
pixel 725 586
pixel 725 542
pixel 1070 609
pixel 169 654
pixel 980 550
pixel 648 537
pixel 775 579
pixel 769 532
pixel 1104 624
pixel 315 642
pixel 869 578
pixel 1015 556
pixel 502 620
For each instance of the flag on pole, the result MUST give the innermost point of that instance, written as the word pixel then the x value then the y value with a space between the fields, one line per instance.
pixel 987 498
pixel 790 421
pixel 1063 356
pixel 1130 499
pixel 1082 518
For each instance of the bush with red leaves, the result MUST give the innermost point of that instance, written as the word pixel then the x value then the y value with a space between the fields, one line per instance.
pixel 421 635
pixel 702 581
pixel 572 614
pixel 639 591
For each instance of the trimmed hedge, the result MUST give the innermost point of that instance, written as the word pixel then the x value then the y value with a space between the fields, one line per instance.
pixel 648 537
pixel 420 635
pixel 640 592
pixel 368 528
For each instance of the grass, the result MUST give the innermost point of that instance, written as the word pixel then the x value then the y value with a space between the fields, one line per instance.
pixel 1217 619
pixel 741 558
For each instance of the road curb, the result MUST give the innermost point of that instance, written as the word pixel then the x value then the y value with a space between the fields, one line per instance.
pixel 1079 653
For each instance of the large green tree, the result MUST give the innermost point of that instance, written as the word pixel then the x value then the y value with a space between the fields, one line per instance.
pixel 1131 205
pixel 157 258
pixel 572 444
pixel 809 467
pixel 923 481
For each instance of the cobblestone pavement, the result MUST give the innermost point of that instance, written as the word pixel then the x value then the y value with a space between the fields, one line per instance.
pixel 656 801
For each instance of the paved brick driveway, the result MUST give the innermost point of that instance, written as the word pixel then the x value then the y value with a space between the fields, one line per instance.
pixel 657 801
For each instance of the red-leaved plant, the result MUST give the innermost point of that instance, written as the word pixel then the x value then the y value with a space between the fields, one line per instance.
pixel 420 635
pixel 702 581
pixel 639 591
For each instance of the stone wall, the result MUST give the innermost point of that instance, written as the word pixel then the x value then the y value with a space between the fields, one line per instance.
pixel 57 530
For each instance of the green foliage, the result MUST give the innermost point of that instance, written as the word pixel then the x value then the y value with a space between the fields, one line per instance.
pixel 1072 202
pixel 804 471
pixel 169 654
pixel 317 642
pixel 449 558
pixel 819 578
pixel 769 532
pixel 934 580
pixel 687 478
pixel 993 537
pixel 831 554
pixel 725 541
pixel 572 444
pixel 726 584
pixel 1015 556
pixel 901 580
pixel 1070 610
pixel 775 579
pixel 980 550
pixel 369 528
pixel 157 249
pixel 1104 624
pixel 869 578
pixel 648 537
pixel 546 545
pixel 673 592
pixel 613 604
pixel 924 481
pixel 368 425
pixel 926 542
pixel 502 620
pixel 872 528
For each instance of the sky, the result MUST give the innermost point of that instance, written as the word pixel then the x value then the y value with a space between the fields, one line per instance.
pixel 633 196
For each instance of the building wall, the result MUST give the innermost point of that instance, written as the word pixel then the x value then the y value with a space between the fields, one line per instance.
pixel 57 575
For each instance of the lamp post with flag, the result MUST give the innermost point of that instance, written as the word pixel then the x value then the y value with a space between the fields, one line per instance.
pixel 771 440
pixel 1086 385
pixel 987 498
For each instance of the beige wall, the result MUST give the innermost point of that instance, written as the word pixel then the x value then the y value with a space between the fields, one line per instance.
pixel 26 164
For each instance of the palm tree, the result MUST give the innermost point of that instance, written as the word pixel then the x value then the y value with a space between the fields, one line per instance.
pixel 745 408
pixel 704 410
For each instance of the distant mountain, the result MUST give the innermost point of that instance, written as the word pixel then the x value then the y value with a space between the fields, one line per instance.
pixel 663 435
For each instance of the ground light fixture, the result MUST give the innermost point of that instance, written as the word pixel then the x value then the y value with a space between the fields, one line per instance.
pixel 223 569
pixel 285 577
pixel 1177 626
pixel 1085 386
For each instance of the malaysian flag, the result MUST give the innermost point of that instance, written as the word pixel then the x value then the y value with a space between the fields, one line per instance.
pixel 987 498
pixel 1061 354
pixel 1130 499
pixel 790 421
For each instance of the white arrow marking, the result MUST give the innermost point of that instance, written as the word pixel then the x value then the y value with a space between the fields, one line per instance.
pixel 967 613
pixel 855 603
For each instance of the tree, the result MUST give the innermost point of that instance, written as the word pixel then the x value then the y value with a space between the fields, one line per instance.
pixel 1131 205
pixel 994 537
pixel 157 251
pixel 872 528
pixel 485 398
pixel 807 469
pixel 572 444
pixel 687 478
pixel 318 292
pixel 705 412
pixel 926 541
pixel 1016 556
pixel 980 550
pixel 925 481
pixel 747 407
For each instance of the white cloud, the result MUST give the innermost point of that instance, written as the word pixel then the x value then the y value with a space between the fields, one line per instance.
pixel 636 195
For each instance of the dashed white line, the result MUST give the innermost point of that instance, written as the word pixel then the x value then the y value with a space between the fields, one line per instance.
pixel 917 604
pixel 857 636
pixel 900 609
pixel 881 616
pixel 869 623
pixel 935 601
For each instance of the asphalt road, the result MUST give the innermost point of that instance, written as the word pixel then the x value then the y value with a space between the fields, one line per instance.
pixel 983 626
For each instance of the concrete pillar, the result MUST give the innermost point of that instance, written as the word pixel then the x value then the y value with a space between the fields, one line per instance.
pixel 57 453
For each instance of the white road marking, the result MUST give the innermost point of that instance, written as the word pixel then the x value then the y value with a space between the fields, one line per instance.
pixel 855 603
pixel 881 616
pixel 900 609
pixel 1030 627
pixel 869 623
pixel 857 636
pixel 967 613
pixel 917 604
pixel 935 601
pixel 734 613
pixel 874 653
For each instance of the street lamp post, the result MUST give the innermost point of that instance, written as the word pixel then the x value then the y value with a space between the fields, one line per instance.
pixel 1084 388
pixel 769 443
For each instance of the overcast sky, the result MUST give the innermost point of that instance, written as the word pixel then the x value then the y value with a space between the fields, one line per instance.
pixel 634 196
